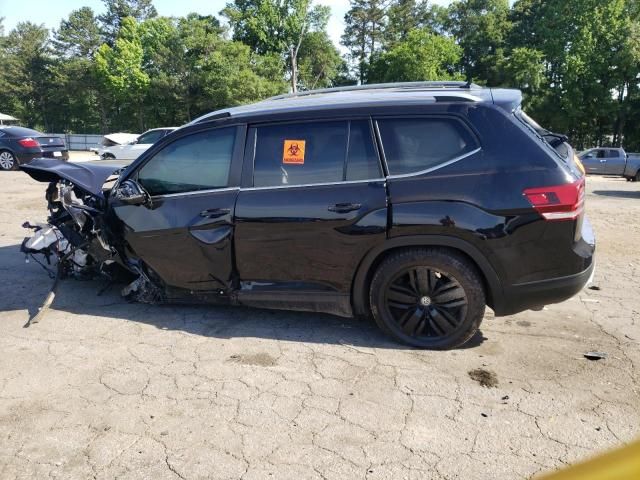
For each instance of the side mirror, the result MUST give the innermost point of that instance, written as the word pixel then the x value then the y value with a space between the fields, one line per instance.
pixel 131 193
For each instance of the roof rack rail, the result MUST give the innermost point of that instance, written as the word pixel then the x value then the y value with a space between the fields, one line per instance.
pixel 433 85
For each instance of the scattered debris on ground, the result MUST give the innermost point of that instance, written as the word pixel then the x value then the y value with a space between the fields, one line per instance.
pixel 595 355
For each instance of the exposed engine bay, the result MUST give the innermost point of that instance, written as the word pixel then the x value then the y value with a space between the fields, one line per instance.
pixel 74 243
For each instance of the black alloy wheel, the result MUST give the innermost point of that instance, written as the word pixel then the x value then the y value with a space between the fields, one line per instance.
pixel 428 298
pixel 426 303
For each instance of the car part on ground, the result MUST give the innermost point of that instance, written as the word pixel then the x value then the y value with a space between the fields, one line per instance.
pixel 416 203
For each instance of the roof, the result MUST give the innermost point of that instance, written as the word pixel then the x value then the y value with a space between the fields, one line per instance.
pixel 15 131
pixel 387 94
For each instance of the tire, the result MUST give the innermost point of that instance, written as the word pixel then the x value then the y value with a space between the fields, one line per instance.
pixel 429 298
pixel 108 156
pixel 637 177
pixel 8 161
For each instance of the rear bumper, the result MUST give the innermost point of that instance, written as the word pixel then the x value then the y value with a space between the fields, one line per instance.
pixel 532 295
pixel 27 157
pixel 535 294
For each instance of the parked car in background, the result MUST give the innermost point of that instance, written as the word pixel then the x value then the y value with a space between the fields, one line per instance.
pixel 112 140
pixel 19 145
pixel 417 204
pixel 132 149
pixel 611 161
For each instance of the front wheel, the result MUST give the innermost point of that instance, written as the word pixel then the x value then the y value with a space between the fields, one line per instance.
pixel 428 298
pixel 8 161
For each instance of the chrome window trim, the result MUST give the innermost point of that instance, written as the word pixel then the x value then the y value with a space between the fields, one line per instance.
pixel 196 192
pixel 437 167
pixel 323 184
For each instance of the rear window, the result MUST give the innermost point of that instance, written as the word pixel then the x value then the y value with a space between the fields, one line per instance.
pixel 415 144
pixel 314 152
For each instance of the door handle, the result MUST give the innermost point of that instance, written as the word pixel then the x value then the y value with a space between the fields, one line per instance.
pixel 603 161
pixel 344 207
pixel 215 212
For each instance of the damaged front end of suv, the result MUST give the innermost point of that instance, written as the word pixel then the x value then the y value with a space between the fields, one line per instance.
pixel 76 238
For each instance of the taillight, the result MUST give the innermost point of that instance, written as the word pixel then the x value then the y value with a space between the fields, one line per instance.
pixel 561 202
pixel 29 142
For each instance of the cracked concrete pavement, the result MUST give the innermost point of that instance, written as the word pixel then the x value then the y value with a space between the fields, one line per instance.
pixel 105 389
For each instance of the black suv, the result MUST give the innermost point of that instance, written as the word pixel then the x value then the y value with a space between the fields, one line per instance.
pixel 415 203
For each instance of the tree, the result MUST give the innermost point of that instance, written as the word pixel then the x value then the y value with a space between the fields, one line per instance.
pixel 423 56
pixel 118 10
pixel 590 68
pixel 364 26
pixel 120 68
pixel 481 28
pixel 79 35
pixel 407 15
pixel 276 26
pixel 26 63
pixel 320 61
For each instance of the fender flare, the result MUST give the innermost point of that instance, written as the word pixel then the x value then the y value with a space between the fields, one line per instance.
pixel 360 287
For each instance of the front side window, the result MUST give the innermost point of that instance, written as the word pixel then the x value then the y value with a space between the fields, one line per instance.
pixel 195 162
pixel 415 144
pixel 601 153
pixel 312 153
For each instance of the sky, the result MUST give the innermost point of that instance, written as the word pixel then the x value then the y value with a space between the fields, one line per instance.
pixel 50 12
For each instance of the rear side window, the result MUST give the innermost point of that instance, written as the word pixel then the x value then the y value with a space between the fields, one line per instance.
pixel 415 144
pixel 614 154
pixel 196 162
pixel 310 153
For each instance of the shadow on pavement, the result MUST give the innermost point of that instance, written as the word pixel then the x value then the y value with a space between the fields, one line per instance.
pixel 618 193
pixel 27 285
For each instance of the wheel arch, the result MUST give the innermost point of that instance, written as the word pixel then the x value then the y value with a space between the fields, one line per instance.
pixel 368 265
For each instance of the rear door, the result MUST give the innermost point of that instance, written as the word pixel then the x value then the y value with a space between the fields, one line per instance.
pixel 313 203
pixel 185 234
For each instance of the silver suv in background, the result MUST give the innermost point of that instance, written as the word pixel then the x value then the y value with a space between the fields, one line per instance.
pixel 611 161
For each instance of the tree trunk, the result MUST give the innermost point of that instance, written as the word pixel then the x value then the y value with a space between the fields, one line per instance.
pixel 294 70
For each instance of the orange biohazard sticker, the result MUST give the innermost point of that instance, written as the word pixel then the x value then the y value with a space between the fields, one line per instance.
pixel 293 152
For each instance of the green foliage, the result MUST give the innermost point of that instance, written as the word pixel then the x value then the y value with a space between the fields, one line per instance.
pixel 576 61
pixel 365 23
pixel 26 63
pixel 276 27
pixel 118 10
pixel 319 61
pixel 79 35
pixel 480 28
pixel 423 56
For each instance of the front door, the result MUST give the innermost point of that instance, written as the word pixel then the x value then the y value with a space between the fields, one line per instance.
pixel 615 162
pixel 185 234
pixel 594 161
pixel 315 203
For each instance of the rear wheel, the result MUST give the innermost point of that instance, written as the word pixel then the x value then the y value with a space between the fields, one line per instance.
pixel 108 156
pixel 637 177
pixel 7 160
pixel 428 298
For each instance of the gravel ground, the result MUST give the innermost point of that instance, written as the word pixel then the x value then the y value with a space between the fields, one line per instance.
pixel 105 389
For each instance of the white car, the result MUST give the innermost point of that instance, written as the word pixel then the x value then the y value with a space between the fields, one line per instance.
pixel 134 148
